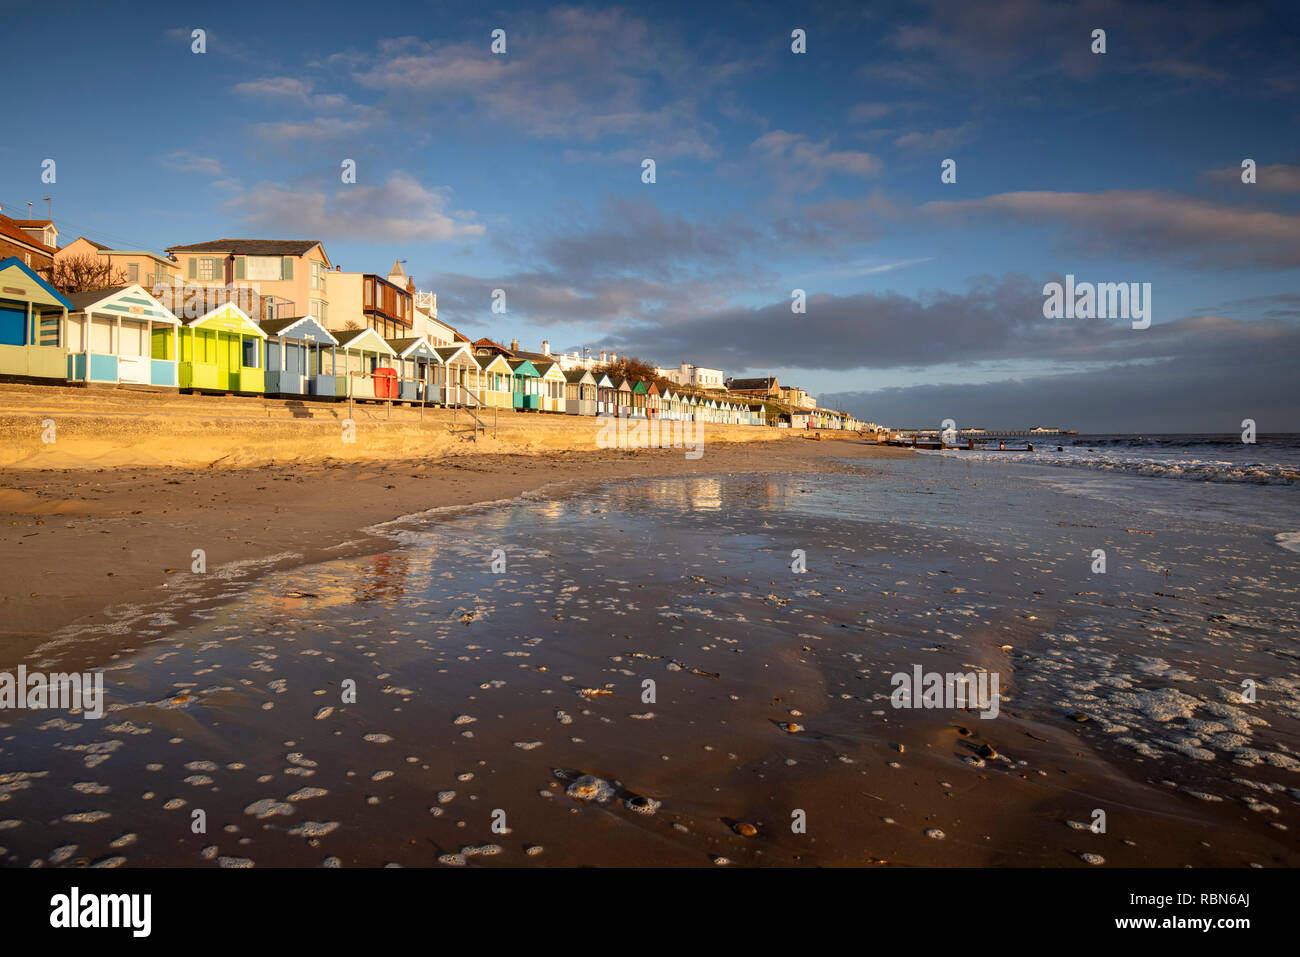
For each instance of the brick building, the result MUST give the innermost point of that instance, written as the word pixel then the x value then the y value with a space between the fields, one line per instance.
pixel 33 241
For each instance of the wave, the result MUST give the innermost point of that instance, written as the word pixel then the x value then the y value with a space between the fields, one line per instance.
pixel 1288 540
pixel 1199 470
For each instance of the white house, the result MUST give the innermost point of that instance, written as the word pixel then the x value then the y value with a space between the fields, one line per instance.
pixel 700 377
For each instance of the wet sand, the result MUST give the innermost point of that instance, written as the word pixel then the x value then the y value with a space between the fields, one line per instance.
pixel 771 696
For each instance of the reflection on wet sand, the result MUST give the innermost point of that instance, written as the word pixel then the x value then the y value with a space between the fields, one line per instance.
pixel 637 675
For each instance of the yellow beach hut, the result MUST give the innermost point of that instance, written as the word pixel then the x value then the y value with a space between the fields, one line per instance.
pixel 553 385
pixel 496 381
pixel 222 351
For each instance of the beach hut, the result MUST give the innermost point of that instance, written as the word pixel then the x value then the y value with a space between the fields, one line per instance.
pixel 579 392
pixel 639 390
pixel 32 314
pixel 300 357
pixel 526 385
pixel 654 401
pixel 604 394
pixel 554 385
pixel 222 351
pixel 417 363
pixel 121 336
pixel 495 381
pixel 671 404
pixel 358 354
pixel 623 396
pixel 456 376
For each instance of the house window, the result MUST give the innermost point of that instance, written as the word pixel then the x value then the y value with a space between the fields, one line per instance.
pixel 316 274
pixel 370 293
pixel 133 272
pixel 207 268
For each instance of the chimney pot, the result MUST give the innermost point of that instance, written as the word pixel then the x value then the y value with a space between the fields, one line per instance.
pixel 514 345
pixel 546 347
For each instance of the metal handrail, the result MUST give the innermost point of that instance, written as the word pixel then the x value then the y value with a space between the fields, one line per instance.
pixel 468 411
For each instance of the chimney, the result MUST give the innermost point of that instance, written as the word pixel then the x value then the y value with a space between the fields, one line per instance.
pixel 338 267
pixel 546 347
pixel 410 285
pixel 514 345
pixel 602 356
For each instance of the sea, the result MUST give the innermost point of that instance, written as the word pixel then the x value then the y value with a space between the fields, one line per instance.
pixel 1194 469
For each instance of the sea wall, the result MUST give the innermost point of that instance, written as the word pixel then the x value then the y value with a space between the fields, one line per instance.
pixel 62 427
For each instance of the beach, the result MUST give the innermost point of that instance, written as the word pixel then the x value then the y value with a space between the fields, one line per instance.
pixel 444 662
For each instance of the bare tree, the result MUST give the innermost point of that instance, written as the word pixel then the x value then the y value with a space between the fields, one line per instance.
pixel 630 367
pixel 84 274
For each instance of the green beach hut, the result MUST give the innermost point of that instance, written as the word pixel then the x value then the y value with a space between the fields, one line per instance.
pixel 640 390
pixel 527 385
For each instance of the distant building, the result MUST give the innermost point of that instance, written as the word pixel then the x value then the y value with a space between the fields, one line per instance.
pixel 363 300
pixel 33 242
pixel 289 274
pixel 486 347
pixel 797 398
pixel 428 326
pixel 137 265
pixel 765 388
pixel 699 377
pixel 584 360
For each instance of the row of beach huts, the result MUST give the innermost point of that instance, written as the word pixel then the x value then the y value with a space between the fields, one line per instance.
pixel 193 325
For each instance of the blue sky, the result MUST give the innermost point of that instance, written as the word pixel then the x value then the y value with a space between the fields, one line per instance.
pixel 775 171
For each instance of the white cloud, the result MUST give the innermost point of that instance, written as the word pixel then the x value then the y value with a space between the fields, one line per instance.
pixel 400 209
pixel 186 162
pixel 803 164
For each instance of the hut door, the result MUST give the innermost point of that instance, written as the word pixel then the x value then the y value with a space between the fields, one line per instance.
pixel 227 349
